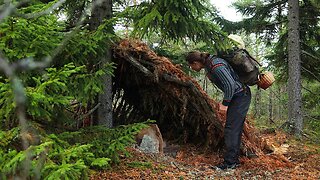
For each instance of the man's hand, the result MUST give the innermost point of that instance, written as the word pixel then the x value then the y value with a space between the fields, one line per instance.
pixel 223 108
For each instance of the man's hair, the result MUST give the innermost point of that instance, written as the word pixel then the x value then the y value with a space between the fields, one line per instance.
pixel 196 56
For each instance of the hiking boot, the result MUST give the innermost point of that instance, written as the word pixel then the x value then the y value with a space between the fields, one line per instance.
pixel 225 166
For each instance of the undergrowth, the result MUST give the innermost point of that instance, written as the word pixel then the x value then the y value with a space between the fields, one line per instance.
pixel 69 155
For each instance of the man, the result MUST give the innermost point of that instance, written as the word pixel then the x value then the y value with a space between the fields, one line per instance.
pixel 236 101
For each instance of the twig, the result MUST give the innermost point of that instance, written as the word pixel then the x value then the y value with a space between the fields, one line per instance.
pixel 292 127
pixel 311 73
pixel 20 99
pixel 314 57
pixel 305 115
pixel 286 124
pixel 176 80
pixel 135 63
pixel 310 91
pixel 45 12
pixel 88 113
pixel 173 163
pixel 8 8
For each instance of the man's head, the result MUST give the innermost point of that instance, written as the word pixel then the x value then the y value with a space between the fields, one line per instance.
pixel 196 60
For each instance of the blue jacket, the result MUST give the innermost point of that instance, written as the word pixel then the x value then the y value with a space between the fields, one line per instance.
pixel 223 76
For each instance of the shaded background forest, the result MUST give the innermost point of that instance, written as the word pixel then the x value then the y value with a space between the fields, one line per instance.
pixel 56 73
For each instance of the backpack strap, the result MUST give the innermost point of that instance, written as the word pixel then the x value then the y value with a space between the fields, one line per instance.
pixel 251 56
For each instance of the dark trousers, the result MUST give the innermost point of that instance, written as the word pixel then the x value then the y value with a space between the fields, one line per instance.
pixel 236 115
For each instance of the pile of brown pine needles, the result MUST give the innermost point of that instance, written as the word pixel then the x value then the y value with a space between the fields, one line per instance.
pixel 148 86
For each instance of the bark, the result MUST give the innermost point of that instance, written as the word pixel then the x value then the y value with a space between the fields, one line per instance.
pixel 257 97
pixel 102 9
pixel 270 107
pixel 257 104
pixel 294 83
pixel 280 109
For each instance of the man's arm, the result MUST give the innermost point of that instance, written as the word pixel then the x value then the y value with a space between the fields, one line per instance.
pixel 228 83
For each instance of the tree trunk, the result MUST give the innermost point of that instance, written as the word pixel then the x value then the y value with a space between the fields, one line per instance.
pixel 270 107
pixel 294 83
pixel 279 104
pixel 257 108
pixel 102 9
pixel 257 96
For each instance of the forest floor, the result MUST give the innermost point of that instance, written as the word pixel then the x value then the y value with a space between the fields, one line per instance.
pixel 298 161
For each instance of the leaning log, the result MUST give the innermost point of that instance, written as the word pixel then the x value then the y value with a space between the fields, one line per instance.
pixel 148 86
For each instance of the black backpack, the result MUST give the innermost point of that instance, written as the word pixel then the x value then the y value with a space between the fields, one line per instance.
pixel 246 67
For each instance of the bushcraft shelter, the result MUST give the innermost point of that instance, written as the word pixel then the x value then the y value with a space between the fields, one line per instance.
pixel 148 86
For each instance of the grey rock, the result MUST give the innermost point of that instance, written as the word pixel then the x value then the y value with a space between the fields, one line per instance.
pixel 149 145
